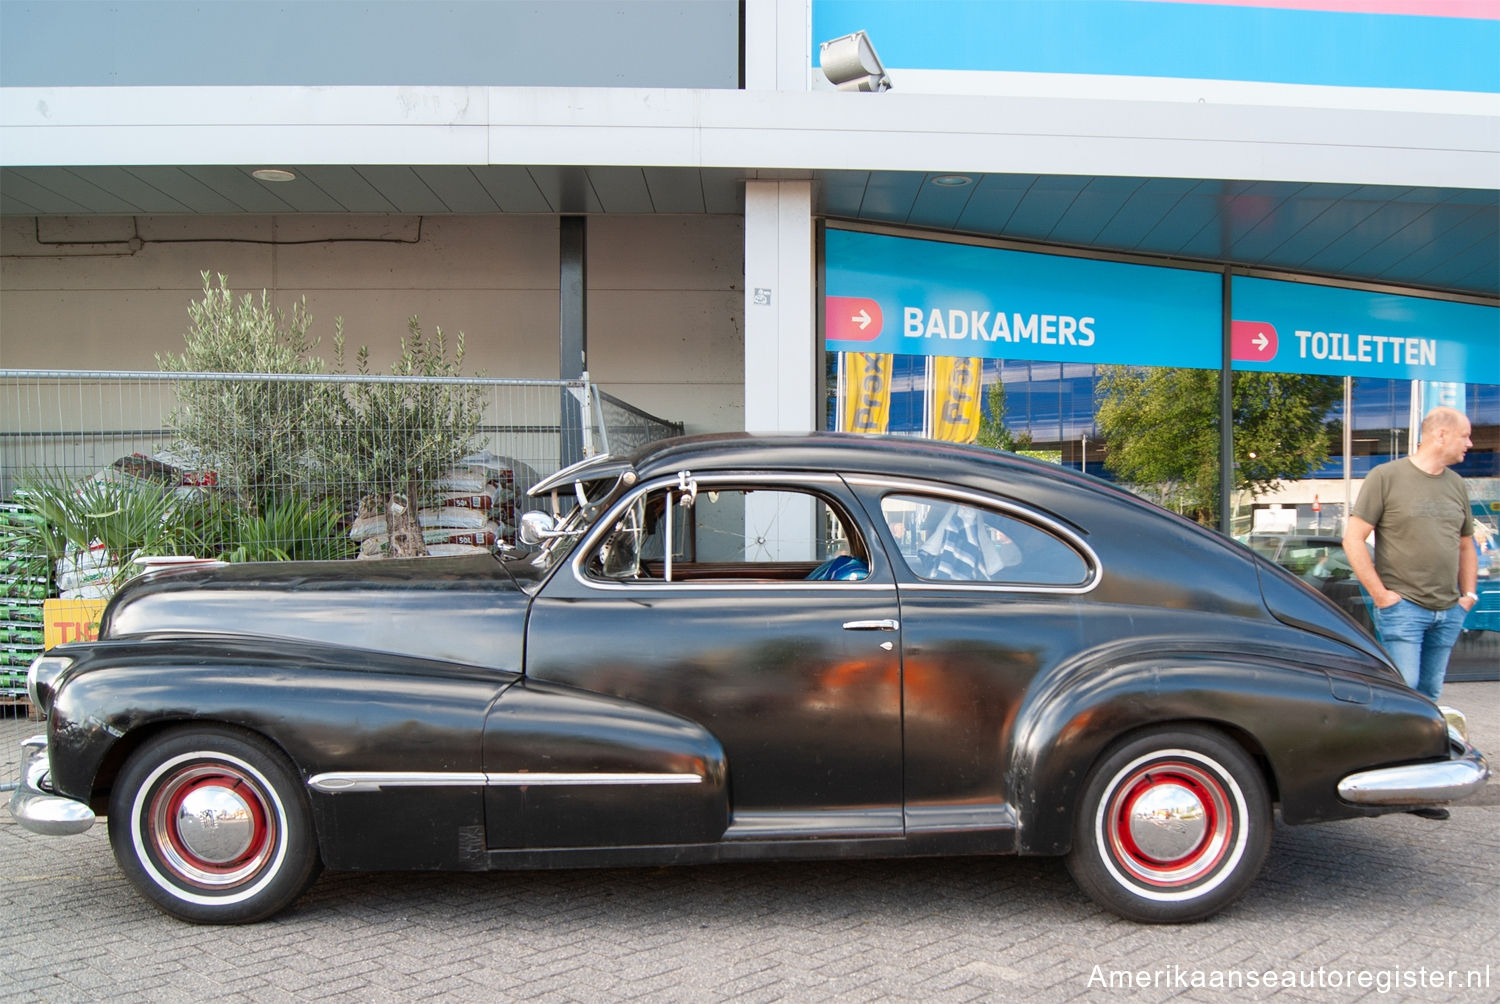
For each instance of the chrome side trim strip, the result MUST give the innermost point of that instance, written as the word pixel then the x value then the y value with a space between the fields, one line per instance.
pixel 740 585
pixel 332 782
pixel 526 778
pixel 815 823
pixel 359 780
pixel 924 586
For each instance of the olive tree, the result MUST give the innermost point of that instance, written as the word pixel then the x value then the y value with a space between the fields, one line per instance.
pixel 260 436
pixel 398 436
pixel 283 447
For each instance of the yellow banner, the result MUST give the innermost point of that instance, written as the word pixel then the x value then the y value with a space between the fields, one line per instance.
pixel 867 391
pixel 71 620
pixel 955 398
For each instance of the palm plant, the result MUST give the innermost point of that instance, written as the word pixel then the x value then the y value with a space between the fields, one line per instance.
pixel 290 528
pixel 130 519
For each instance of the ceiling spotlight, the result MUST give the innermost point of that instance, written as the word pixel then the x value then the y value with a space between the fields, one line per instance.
pixel 850 64
pixel 952 180
pixel 272 174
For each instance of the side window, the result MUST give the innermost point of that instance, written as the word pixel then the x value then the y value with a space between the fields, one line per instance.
pixel 730 532
pixel 946 541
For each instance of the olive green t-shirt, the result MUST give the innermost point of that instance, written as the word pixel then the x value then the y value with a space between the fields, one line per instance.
pixel 1418 519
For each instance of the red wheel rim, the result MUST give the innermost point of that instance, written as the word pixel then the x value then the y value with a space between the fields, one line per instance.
pixel 211 825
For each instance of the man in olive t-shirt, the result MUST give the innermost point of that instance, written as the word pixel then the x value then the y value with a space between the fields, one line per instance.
pixel 1425 572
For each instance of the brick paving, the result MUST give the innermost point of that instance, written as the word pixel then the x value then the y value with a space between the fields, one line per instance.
pixel 1396 899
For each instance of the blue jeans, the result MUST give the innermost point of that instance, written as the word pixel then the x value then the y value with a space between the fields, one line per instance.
pixel 1420 640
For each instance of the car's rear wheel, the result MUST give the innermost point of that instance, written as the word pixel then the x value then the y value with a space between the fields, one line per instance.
pixel 212 826
pixel 1173 826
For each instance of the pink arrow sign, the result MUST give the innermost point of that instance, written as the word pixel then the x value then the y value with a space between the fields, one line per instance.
pixel 853 319
pixel 1252 341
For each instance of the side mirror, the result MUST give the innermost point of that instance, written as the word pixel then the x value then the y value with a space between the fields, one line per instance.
pixel 536 527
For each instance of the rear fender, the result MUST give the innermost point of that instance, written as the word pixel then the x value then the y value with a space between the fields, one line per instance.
pixel 1285 716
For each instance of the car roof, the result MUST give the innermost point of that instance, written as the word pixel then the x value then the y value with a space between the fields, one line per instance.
pixel 837 452
pixel 896 457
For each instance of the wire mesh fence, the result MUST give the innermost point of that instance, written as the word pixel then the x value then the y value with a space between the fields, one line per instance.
pixel 101 469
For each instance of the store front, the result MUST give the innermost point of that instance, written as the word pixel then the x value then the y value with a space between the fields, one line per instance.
pixel 1253 404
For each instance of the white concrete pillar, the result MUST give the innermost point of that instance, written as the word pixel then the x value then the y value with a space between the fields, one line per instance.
pixel 782 373
pixel 781 368
pixel 777 45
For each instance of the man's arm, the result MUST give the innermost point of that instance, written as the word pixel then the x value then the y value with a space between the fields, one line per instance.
pixel 1468 572
pixel 1356 533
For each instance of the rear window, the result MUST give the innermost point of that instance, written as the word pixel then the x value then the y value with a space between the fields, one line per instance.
pixel 942 540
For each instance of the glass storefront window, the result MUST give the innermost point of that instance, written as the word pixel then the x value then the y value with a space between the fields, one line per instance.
pixel 1396 357
pixel 1116 368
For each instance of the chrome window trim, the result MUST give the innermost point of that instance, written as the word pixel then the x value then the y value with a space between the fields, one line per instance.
pixel 918 585
pixel 333 782
pixel 599 465
pixel 601 528
pixel 892 486
pixel 737 586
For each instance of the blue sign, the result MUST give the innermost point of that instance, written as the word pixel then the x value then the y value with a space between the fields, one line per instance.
pixel 930 298
pixel 1292 327
pixel 1369 43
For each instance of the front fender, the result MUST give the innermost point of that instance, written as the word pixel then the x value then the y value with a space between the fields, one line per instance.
pixel 570 768
pixel 327 709
pixel 1308 727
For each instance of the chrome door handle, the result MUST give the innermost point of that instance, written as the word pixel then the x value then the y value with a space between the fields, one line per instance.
pixel 882 625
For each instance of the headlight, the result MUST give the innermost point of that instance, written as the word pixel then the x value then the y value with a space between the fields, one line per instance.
pixel 39 679
pixel 1458 725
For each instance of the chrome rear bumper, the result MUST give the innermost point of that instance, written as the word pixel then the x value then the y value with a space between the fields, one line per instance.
pixel 1419 783
pixel 35 807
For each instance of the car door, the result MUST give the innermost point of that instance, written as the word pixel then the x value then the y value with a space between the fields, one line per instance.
pixel 990 593
pixel 758 609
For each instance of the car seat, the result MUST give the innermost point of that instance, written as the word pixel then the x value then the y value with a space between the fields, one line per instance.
pixel 841 568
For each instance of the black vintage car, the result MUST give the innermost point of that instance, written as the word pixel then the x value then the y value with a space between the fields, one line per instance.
pixel 738 648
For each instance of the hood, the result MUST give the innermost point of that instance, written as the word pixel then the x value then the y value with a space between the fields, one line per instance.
pixel 467 609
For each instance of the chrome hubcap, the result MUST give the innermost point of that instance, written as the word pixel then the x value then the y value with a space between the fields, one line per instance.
pixel 215 824
pixel 1167 822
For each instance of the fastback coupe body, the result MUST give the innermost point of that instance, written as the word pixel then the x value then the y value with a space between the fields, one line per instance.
pixel 734 648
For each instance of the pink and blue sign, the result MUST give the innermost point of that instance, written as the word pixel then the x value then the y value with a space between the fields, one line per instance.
pixel 911 296
pixel 931 298
pixel 1294 327
pixel 1445 45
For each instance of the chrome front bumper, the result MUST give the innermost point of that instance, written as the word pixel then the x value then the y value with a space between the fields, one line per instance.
pixel 1460 776
pixel 38 809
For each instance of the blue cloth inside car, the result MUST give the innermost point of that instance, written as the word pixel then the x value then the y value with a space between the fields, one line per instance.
pixel 842 568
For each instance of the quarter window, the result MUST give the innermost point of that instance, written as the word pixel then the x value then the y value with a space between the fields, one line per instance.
pixel 946 541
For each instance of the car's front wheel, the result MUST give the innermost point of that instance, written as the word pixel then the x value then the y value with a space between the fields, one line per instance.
pixel 212 826
pixel 1173 826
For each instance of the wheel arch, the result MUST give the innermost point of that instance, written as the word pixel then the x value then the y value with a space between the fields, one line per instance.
pixel 344 715
pixel 1048 829
pixel 150 731
pixel 1066 729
